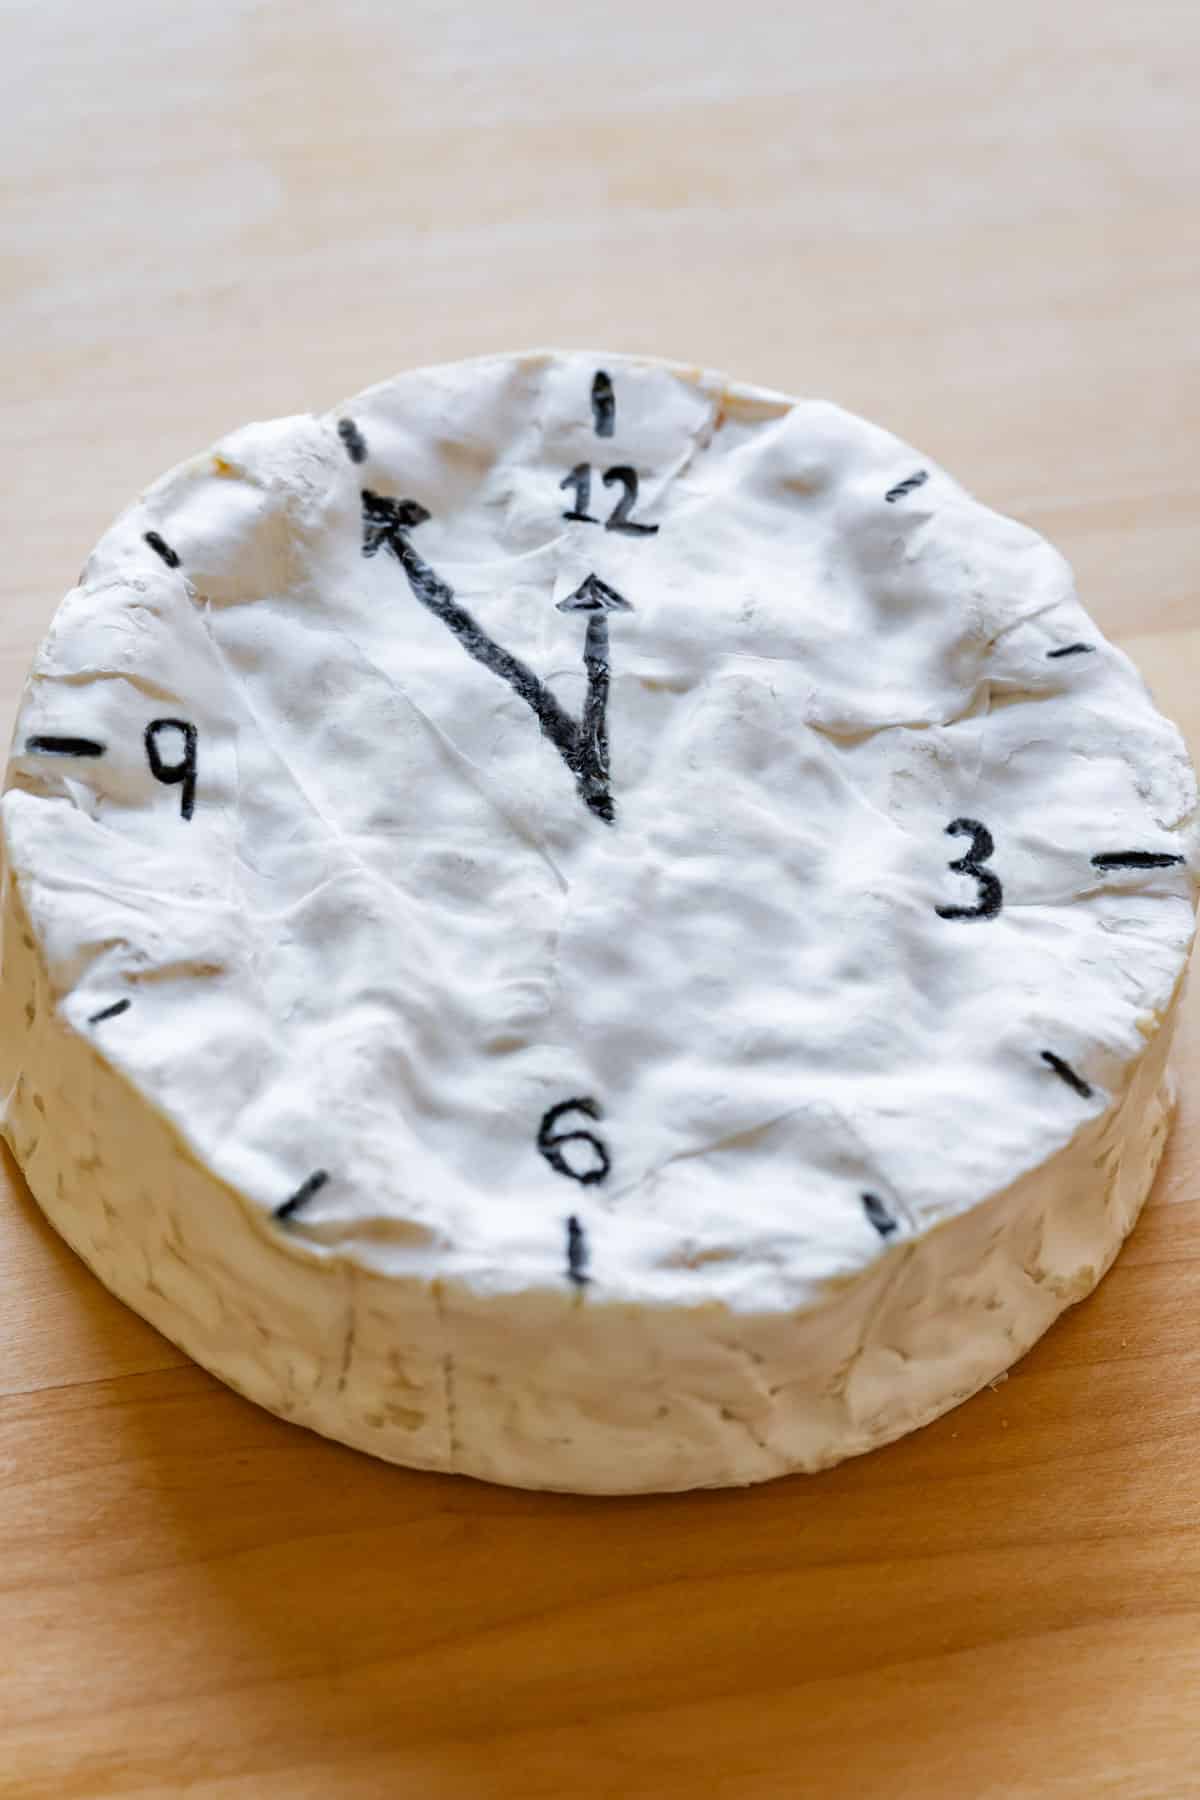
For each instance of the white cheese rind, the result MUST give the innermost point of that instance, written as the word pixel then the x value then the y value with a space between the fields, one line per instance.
pixel 391 936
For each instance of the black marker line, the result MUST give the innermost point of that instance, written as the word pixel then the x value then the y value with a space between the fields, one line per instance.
pixel 438 596
pixel 1072 650
pixel 879 1215
pixel 302 1195
pixel 353 439
pixel 63 746
pixel 906 487
pixel 597 599
pixel 584 750
pixel 604 404
pixel 161 548
pixel 577 1253
pixel 1067 1074
pixel 1135 859
pixel 110 1012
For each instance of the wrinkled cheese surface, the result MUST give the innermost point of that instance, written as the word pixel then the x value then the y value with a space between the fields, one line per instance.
pixel 389 941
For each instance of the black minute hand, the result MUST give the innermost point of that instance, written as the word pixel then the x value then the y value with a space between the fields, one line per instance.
pixel 597 599
pixel 584 748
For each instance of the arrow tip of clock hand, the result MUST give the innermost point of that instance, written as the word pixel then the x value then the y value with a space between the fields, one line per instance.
pixel 594 595
pixel 382 517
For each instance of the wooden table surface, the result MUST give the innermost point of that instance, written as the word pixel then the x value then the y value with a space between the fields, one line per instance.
pixel 975 224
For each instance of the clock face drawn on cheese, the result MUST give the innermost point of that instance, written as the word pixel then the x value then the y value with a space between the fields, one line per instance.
pixel 572 820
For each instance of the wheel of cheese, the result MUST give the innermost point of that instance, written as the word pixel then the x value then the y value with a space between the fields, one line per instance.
pixel 585 924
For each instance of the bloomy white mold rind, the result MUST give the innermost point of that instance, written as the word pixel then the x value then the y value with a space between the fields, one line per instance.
pixel 391 936
pixel 549 1388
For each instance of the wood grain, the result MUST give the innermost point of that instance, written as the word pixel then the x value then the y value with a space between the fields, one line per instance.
pixel 974 224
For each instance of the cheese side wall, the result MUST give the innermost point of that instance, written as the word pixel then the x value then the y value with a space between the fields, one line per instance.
pixel 554 1389
pixel 527 736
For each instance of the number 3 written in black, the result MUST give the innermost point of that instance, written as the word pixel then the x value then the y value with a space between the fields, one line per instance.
pixel 991 894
